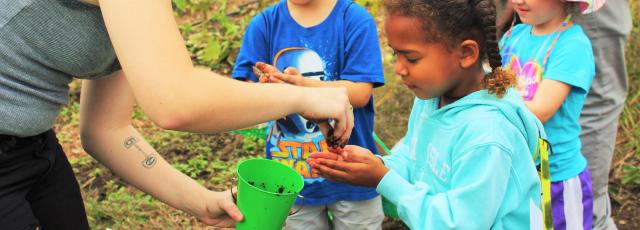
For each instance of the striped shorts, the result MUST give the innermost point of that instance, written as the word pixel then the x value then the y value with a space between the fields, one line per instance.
pixel 572 202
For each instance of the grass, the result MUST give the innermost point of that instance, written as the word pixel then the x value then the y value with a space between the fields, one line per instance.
pixel 625 173
pixel 213 38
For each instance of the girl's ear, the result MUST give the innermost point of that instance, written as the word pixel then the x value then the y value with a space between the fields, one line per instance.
pixel 469 51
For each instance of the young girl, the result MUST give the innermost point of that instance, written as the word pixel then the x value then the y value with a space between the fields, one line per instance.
pixel 554 64
pixel 466 161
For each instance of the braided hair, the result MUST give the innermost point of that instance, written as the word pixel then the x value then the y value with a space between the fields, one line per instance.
pixel 452 21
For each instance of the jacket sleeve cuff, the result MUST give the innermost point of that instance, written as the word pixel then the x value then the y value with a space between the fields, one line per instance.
pixel 394 187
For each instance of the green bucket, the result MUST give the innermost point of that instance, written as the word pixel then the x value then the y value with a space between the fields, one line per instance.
pixel 266 193
pixel 389 209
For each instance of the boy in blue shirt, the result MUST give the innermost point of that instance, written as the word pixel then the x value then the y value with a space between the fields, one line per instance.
pixel 318 43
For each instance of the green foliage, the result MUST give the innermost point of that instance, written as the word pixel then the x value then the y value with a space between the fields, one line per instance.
pixel 629 133
pixel 373 6
pixel 194 167
pixel 181 5
pixel 139 115
pixel 253 144
pixel 71 113
pixel 213 30
pixel 119 209
pixel 632 174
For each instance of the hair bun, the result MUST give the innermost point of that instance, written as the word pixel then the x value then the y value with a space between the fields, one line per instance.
pixel 499 81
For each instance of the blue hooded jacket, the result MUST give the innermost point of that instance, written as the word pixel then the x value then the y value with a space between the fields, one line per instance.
pixel 467 165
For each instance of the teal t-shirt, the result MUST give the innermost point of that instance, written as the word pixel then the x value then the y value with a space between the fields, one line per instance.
pixel 570 62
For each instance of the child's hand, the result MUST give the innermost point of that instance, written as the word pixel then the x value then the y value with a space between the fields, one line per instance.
pixel 265 73
pixel 356 165
pixel 291 76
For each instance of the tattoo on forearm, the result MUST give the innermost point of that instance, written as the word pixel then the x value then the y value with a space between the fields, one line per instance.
pixel 149 159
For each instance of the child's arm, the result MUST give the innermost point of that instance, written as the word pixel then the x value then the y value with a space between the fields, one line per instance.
pixel 571 67
pixel 478 182
pixel 401 156
pixel 549 97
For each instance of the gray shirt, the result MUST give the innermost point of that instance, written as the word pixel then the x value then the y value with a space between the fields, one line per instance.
pixel 612 20
pixel 43 45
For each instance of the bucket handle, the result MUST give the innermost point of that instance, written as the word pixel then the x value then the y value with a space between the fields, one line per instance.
pixel 235 198
pixel 301 206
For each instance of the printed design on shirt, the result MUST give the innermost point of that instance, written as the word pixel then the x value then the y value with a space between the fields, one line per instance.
pixel 528 74
pixel 295 138
pixel 438 166
pixel 327 49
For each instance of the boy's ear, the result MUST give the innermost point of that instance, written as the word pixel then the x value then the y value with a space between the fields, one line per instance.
pixel 469 51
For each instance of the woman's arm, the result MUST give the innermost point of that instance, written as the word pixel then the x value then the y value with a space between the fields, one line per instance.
pixel 107 134
pixel 359 92
pixel 176 95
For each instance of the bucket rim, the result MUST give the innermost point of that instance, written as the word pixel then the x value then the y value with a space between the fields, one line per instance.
pixel 243 180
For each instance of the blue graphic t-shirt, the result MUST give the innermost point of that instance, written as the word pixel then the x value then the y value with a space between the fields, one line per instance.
pixel 570 62
pixel 344 46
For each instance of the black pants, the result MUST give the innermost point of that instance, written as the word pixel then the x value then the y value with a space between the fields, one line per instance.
pixel 37 186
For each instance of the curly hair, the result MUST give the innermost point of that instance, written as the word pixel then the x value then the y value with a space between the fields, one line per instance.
pixel 452 21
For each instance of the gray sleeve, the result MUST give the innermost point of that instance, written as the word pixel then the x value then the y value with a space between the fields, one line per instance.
pixel 613 19
pixel 44 44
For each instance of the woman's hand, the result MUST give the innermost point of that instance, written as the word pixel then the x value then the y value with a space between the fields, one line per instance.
pixel 356 166
pixel 220 210
pixel 325 103
pixel 319 103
